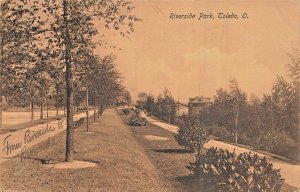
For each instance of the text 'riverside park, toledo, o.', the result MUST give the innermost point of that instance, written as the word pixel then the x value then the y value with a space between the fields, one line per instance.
pixel 208 16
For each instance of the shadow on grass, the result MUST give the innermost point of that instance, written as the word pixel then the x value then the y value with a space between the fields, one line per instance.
pixel 192 183
pixel 180 151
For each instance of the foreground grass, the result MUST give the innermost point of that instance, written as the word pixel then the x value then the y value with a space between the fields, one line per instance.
pixel 171 159
pixel 122 163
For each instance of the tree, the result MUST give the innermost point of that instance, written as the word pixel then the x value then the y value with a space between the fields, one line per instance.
pixel 229 107
pixel 149 104
pixel 68 32
pixel 168 105
pixel 221 107
pixel 19 28
pixel 285 112
pixel 190 133
pixel 142 98
pixel 73 31
pixel 127 97
pixel 294 66
pixel 238 102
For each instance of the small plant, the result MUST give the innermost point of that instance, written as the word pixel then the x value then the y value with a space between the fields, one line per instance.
pixel 126 111
pixel 190 134
pixel 137 121
pixel 245 172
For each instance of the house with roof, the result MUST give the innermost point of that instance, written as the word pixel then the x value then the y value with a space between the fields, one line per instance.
pixel 198 104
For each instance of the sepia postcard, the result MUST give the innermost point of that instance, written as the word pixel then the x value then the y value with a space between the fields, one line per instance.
pixel 150 95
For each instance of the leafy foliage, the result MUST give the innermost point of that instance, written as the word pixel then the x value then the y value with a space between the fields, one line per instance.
pixel 229 172
pixel 133 117
pixel 272 121
pixel 137 121
pixel 126 111
pixel 55 39
pixel 163 107
pixel 190 133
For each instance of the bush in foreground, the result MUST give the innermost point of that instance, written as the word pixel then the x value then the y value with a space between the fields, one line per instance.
pixel 229 172
pixel 190 134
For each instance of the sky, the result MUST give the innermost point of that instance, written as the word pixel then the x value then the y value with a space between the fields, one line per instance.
pixel 196 57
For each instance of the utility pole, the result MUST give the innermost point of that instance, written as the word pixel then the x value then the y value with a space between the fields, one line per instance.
pixel 236 124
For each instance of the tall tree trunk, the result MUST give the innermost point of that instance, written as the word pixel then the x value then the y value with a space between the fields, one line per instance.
pixel 56 99
pixel 69 88
pixel 1 73
pixel 94 113
pixel 47 104
pixel 42 103
pixel 98 104
pixel 1 76
pixel 101 109
pixel 32 113
pixel 1 101
pixel 87 108
pixel 94 105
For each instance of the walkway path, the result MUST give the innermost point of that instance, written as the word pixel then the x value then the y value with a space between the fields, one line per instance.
pixel 290 172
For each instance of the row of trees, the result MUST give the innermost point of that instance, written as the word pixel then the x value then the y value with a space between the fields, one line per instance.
pixel 47 49
pixel 270 123
pixel 163 106
pixel 222 170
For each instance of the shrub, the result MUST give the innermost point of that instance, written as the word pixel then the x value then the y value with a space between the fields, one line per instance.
pixel 190 134
pixel 137 121
pixel 136 110
pixel 126 111
pixel 229 172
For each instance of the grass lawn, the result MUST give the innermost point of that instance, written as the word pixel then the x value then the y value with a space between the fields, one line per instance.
pixel 126 161
pixel 122 163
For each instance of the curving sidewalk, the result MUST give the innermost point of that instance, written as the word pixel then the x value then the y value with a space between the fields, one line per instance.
pixel 289 171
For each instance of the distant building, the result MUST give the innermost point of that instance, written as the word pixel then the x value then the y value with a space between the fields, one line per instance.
pixel 197 105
